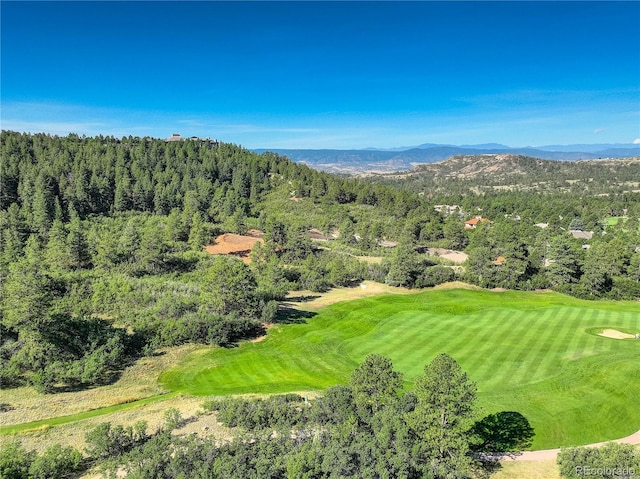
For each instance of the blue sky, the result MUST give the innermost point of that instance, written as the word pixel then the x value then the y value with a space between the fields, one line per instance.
pixel 328 74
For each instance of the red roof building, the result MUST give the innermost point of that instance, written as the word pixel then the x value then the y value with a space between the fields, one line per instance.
pixel 472 223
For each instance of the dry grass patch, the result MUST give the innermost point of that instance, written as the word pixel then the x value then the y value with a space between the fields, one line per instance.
pixel 73 434
pixel 457 285
pixel 369 259
pixel 528 470
pixel 312 301
pixel 137 382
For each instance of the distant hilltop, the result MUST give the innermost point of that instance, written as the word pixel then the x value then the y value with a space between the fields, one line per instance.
pixel 388 161
pixel 179 137
pixel 506 172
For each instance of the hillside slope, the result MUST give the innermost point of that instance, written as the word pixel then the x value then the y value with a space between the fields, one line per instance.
pixel 506 171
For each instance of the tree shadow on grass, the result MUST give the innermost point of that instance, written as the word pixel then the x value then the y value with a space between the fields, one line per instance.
pixel 485 468
pixel 288 315
pixel 302 299
pixel 500 435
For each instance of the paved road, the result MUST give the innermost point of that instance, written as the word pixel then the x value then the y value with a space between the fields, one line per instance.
pixel 547 454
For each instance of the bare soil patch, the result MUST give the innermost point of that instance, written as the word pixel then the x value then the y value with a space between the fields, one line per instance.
pixel 233 244
pixel 388 244
pixel 266 326
pixel 255 233
pixel 451 255
pixel 615 334
pixel 316 234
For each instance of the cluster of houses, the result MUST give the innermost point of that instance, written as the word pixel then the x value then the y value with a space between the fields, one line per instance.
pixel 474 222
pixel 449 210
pixel 179 137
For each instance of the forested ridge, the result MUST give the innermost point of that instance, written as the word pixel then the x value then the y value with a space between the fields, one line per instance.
pixel 509 172
pixel 102 262
pixel 102 246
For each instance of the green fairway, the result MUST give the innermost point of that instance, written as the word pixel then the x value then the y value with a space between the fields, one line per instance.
pixel 535 353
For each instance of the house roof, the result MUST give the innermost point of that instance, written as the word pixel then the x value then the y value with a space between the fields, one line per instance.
pixel 581 234
pixel 475 221
pixel 499 260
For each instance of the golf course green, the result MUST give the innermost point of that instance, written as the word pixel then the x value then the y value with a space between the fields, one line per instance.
pixel 536 353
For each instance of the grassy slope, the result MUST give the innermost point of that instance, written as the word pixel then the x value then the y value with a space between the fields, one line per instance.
pixel 56 421
pixel 533 353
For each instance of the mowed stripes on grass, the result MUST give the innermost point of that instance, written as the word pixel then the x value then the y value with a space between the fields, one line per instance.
pixel 535 353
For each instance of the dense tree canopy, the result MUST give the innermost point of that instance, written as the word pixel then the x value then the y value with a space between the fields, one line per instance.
pixel 113 228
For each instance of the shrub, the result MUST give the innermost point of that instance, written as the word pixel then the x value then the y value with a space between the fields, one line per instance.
pixel 15 461
pixel 435 275
pixel 106 440
pixel 172 419
pixel 612 460
pixel 56 463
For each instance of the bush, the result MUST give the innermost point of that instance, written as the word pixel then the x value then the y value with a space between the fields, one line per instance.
pixel 624 289
pixel 435 275
pixel 269 311
pixel 274 412
pixel 15 461
pixel 204 328
pixel 56 463
pixel 106 440
pixel 612 460
pixel 172 419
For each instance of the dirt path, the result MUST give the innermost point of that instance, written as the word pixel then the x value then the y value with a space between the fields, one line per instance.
pixel 547 454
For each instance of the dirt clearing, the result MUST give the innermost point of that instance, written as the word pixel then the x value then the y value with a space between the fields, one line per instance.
pixel 237 245
pixel 451 255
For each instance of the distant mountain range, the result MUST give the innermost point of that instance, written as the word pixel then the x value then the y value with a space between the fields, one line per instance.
pixel 390 160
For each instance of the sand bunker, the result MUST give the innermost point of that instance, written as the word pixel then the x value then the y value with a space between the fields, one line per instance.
pixel 615 334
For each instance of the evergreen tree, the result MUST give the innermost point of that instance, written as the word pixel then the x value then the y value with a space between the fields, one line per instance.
pixel 564 261
pixel 228 286
pixel 129 242
pixel 77 242
pixel 375 385
pixel 43 204
pixel 404 267
pixel 443 418
pixel 151 255
pixel 11 235
pixel 57 257
pixel 28 291
pixel 199 233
